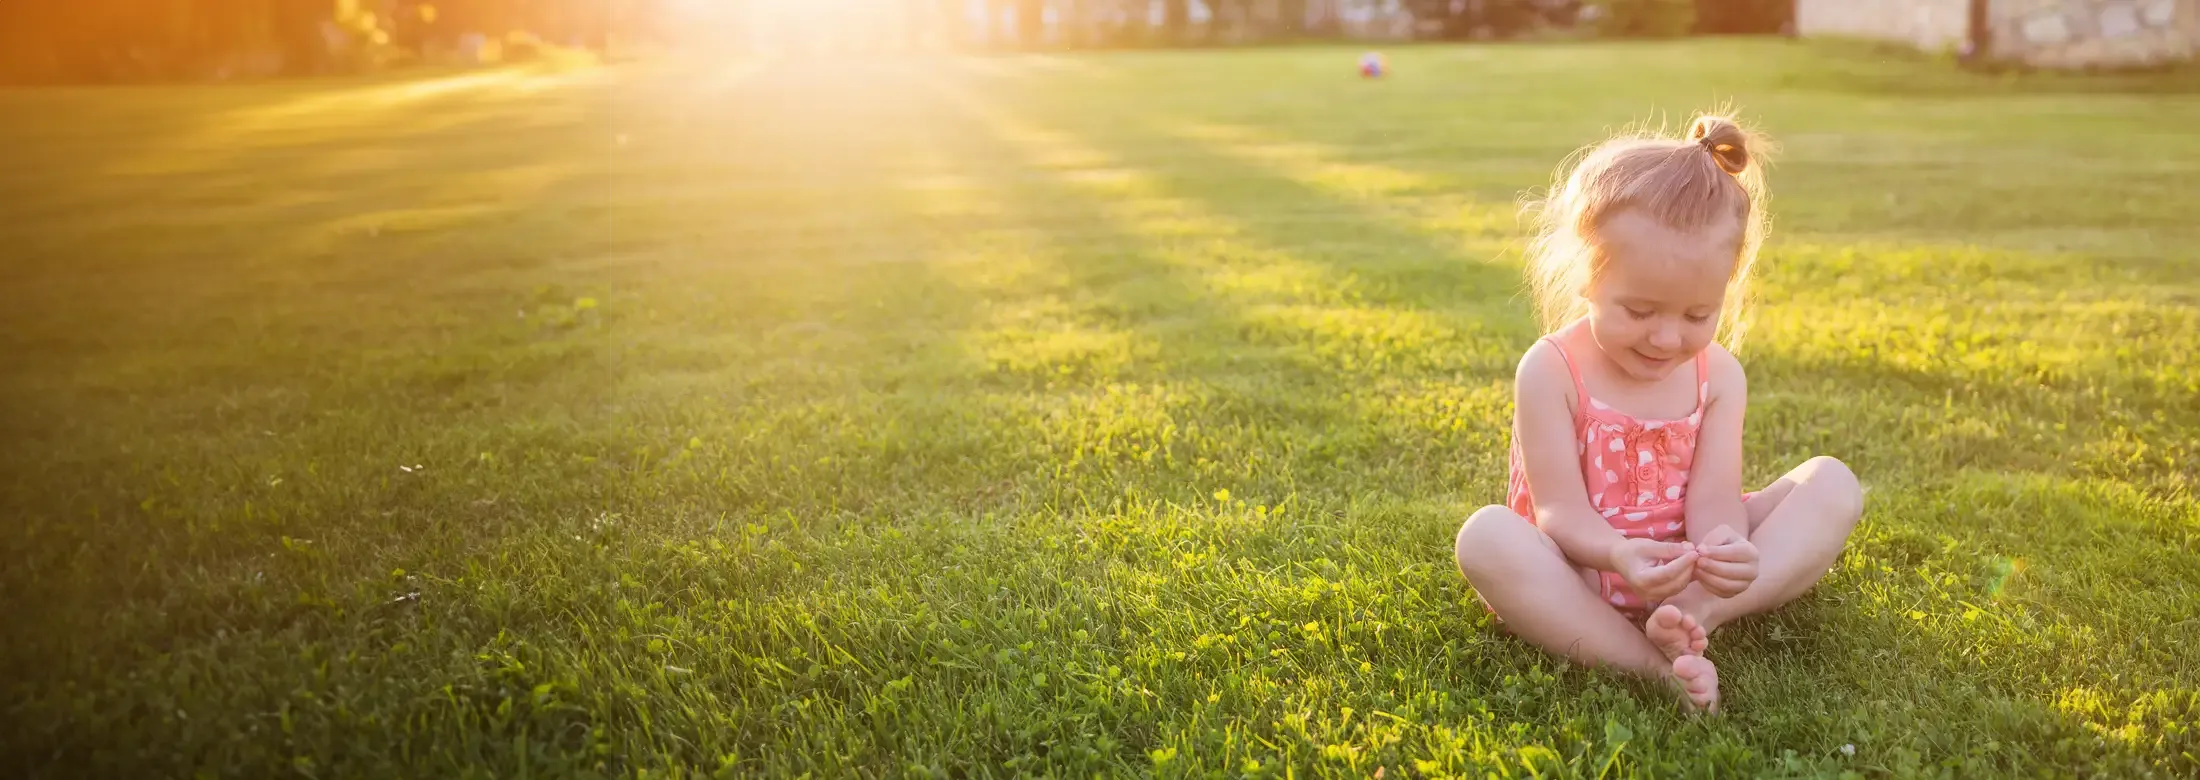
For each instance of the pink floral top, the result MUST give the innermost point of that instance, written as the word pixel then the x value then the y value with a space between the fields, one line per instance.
pixel 1636 470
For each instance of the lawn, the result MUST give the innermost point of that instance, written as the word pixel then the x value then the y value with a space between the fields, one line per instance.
pixel 1056 415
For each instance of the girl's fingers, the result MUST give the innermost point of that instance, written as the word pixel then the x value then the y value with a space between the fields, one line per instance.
pixel 1732 551
pixel 1670 589
pixel 1711 567
pixel 1680 565
pixel 1723 587
pixel 1678 570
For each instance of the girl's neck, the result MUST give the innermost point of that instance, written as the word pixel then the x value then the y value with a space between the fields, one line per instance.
pixel 1608 372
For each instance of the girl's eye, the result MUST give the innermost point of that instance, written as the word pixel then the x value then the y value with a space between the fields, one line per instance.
pixel 1699 318
pixel 1640 315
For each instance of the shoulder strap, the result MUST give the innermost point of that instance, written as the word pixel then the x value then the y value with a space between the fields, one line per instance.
pixel 1703 377
pixel 1581 389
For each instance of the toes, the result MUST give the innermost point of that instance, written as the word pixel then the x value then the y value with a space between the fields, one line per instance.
pixel 1686 622
pixel 1699 679
pixel 1695 667
pixel 1694 637
pixel 1664 623
pixel 1675 632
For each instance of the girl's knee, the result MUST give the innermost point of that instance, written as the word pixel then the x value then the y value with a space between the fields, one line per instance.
pixel 1488 533
pixel 1835 485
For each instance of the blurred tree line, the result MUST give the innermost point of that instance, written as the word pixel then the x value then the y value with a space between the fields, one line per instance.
pixel 141 40
pixel 89 41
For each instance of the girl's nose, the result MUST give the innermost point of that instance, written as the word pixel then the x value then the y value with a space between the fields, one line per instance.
pixel 1665 336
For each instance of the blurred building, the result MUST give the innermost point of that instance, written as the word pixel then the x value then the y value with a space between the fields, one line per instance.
pixel 2041 33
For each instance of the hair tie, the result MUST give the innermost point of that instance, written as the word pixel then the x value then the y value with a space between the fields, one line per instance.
pixel 1719 155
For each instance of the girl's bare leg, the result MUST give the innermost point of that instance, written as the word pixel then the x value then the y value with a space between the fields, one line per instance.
pixel 1542 597
pixel 1799 524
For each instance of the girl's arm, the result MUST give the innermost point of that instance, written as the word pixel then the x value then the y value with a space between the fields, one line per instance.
pixel 1715 480
pixel 1543 423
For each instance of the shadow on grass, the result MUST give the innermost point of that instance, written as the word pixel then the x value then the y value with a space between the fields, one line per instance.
pixel 737 513
pixel 1797 637
pixel 1221 292
pixel 570 429
pixel 168 254
pixel 1409 242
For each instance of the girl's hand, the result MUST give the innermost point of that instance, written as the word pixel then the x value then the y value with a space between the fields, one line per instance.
pixel 1656 570
pixel 1729 562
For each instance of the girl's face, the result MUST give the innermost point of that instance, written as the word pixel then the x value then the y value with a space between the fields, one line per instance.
pixel 1656 302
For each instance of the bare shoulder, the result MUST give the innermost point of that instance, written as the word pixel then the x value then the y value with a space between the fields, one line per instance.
pixel 1543 376
pixel 1726 375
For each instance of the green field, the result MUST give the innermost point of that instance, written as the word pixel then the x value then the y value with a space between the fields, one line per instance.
pixel 1050 415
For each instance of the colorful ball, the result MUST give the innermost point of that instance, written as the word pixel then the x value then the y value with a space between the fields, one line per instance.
pixel 1372 66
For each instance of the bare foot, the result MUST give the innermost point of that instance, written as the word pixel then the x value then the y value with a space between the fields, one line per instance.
pixel 1675 633
pixel 1699 680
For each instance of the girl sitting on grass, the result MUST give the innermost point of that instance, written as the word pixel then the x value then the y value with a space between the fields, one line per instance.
pixel 1626 537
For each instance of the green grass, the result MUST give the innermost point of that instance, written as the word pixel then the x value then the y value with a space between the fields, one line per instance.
pixel 1049 415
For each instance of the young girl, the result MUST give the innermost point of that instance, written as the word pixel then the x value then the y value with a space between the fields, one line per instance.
pixel 1626 537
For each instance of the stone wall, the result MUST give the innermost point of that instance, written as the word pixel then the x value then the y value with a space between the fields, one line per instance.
pixel 1926 24
pixel 2095 33
pixel 2043 33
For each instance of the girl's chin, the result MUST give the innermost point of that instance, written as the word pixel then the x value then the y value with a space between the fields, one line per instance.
pixel 1643 367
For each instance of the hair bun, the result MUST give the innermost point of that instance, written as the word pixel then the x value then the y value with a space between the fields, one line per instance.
pixel 1726 142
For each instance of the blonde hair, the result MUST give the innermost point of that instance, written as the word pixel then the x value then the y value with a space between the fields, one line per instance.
pixel 1687 184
